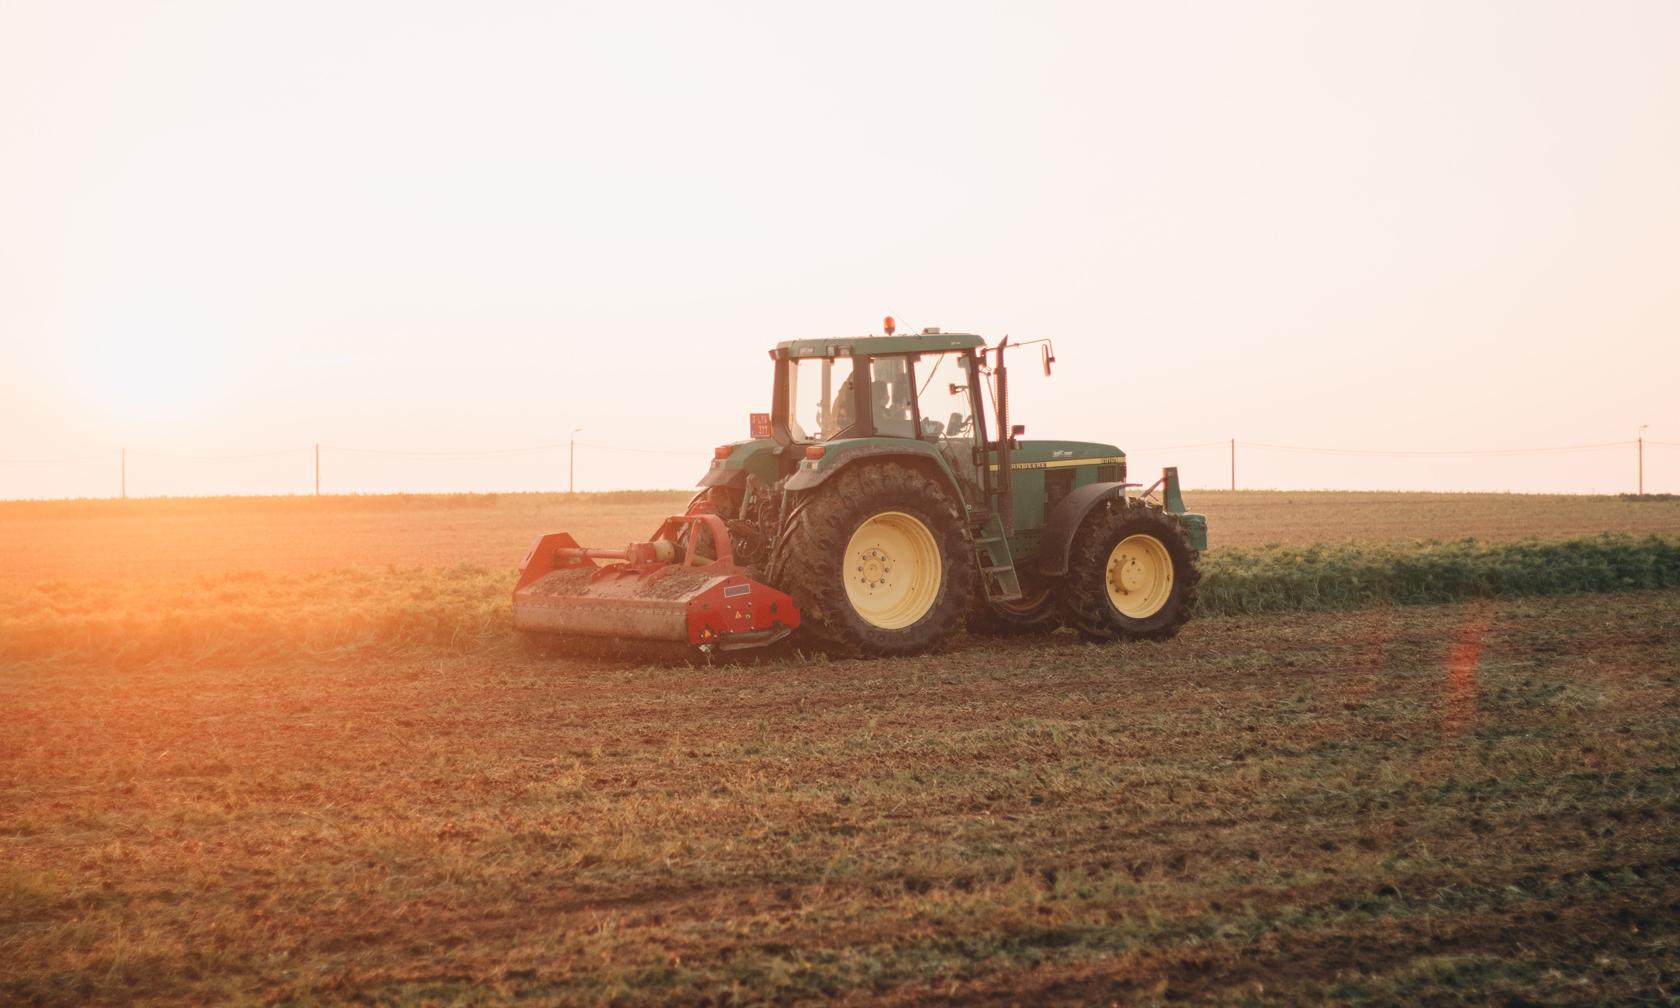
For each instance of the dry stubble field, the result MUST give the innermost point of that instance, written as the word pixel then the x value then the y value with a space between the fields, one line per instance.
pixel 1473 803
pixel 169 538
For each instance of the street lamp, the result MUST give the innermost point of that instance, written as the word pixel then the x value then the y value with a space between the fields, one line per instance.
pixel 571 461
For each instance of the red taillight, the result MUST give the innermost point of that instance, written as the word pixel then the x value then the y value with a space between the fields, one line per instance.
pixel 722 451
pixel 815 452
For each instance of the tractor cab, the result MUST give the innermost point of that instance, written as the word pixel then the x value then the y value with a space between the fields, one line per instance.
pixel 921 387
pixel 839 400
pixel 873 394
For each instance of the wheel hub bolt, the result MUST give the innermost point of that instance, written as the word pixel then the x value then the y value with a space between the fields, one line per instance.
pixel 874 569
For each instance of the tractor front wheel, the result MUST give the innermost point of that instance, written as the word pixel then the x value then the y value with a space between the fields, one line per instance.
pixel 875 560
pixel 1131 576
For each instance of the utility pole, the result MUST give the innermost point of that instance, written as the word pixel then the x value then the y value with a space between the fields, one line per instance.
pixel 123 469
pixel 571 461
pixel 1233 463
pixel 1641 442
pixel 317 469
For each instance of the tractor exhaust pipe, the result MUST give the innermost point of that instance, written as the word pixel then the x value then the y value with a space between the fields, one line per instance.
pixel 1006 479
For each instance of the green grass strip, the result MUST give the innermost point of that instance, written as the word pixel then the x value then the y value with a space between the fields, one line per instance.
pixel 246 615
pixel 1283 579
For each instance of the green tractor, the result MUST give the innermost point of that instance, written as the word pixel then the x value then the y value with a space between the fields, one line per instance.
pixel 879 509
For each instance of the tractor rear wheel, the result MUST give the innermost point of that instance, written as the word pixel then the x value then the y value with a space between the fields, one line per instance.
pixel 1131 575
pixel 876 561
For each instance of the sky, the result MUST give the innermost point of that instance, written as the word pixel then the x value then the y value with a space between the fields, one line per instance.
pixel 437 239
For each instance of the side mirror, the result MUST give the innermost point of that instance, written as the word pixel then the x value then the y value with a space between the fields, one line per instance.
pixel 1017 430
pixel 1048 357
pixel 956 389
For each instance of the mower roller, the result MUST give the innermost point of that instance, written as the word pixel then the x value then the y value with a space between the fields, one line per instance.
pixel 884 503
pixel 664 589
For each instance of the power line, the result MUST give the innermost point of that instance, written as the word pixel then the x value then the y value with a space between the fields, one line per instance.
pixel 464 454
pixel 546 448
pixel 1182 447
pixel 55 461
pixel 216 458
pixel 1434 454
pixel 556 448
pixel 642 451
pixel 504 452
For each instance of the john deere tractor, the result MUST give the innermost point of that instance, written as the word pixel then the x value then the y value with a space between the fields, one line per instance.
pixel 887 501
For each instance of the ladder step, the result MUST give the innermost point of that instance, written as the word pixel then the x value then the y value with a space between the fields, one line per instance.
pixel 997 569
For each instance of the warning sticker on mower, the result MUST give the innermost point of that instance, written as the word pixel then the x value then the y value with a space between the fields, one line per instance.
pixel 736 591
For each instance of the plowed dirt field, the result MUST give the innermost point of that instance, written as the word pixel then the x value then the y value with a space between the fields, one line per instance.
pixel 1475 803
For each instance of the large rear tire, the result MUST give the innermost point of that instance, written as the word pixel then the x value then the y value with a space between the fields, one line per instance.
pixel 876 561
pixel 1131 575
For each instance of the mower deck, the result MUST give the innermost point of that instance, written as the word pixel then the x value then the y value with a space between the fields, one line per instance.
pixel 663 590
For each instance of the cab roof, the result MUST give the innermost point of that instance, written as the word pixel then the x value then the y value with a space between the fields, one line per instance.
pixel 926 341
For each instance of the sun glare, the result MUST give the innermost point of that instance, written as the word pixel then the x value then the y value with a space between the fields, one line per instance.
pixel 152 370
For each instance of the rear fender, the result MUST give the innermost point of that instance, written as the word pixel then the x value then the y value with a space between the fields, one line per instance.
pixel 757 457
pixel 921 457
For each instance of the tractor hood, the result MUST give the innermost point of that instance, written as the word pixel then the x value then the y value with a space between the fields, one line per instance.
pixel 1058 454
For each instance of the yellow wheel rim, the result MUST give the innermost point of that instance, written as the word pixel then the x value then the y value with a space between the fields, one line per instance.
pixel 1026 605
pixel 892 570
pixel 1140 576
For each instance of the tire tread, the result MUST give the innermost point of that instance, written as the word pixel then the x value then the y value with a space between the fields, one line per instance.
pixel 1084 602
pixel 821 522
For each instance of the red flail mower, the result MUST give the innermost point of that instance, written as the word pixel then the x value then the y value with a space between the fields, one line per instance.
pixel 681 586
